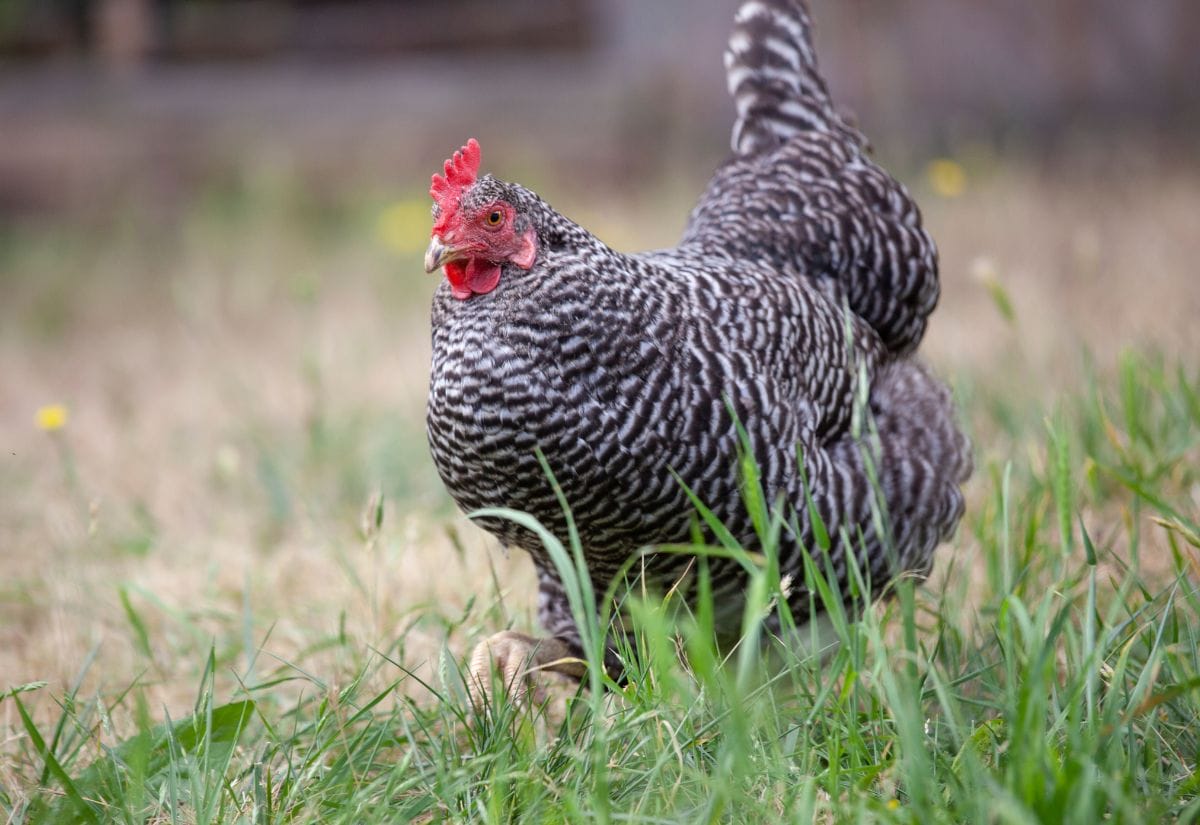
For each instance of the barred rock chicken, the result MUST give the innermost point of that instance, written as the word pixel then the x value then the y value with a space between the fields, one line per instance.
pixel 804 281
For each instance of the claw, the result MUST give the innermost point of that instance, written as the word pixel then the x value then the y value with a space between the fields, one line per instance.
pixel 540 671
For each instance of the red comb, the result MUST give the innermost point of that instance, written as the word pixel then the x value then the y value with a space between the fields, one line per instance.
pixel 460 172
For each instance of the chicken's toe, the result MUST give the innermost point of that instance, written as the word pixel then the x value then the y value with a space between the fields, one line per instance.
pixel 541 671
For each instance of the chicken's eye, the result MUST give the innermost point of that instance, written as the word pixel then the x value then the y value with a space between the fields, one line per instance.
pixel 495 217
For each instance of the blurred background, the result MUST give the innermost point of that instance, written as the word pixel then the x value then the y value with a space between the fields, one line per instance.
pixel 214 320
pixel 148 101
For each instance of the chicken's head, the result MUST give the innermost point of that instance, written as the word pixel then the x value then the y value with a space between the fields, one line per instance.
pixel 476 230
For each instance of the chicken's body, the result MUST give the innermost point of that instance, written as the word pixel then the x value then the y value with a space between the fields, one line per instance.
pixel 803 282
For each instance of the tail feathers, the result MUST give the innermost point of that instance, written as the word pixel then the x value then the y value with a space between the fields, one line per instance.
pixel 772 74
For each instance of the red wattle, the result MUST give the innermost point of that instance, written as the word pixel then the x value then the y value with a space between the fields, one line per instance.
pixel 482 276
pixel 456 274
pixel 475 277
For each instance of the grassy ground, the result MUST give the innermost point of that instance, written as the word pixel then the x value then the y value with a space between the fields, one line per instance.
pixel 233 590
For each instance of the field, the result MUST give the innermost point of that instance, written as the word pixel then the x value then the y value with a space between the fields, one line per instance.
pixel 233 590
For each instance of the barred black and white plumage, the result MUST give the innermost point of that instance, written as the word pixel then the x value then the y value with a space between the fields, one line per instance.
pixel 801 287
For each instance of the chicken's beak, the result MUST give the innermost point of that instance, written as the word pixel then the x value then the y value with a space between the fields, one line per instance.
pixel 438 254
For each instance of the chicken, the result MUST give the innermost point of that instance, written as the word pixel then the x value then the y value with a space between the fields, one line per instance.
pixel 793 304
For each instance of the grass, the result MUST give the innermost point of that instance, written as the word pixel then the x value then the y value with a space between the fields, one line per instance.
pixel 235 592
pixel 1063 686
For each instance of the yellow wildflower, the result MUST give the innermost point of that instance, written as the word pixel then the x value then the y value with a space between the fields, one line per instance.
pixel 893 804
pixel 947 177
pixel 51 417
pixel 404 226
